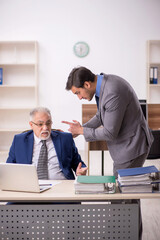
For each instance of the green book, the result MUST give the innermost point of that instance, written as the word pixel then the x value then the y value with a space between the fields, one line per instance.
pixel 96 179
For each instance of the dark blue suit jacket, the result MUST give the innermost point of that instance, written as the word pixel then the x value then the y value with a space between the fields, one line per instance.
pixel 21 151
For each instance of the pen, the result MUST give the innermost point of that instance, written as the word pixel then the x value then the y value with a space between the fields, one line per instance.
pixel 45 184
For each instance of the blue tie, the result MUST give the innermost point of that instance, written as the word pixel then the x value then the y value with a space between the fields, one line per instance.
pixel 97 101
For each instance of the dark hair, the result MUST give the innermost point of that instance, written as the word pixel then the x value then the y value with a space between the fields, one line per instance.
pixel 78 76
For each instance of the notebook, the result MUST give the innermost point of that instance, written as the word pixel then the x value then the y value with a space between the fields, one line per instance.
pixel 20 177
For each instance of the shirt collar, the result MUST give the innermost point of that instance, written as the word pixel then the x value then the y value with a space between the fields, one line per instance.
pixel 98 87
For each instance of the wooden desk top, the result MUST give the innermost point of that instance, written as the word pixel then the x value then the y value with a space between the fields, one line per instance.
pixel 64 191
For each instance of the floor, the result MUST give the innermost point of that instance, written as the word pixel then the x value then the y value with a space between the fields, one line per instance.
pixel 151 219
pixel 151 212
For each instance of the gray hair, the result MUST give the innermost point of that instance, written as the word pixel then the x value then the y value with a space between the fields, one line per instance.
pixel 39 109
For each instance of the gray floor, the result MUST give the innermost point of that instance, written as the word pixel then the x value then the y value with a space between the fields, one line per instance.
pixel 151 212
pixel 151 219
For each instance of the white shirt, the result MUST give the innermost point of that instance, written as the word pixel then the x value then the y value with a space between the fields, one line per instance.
pixel 54 170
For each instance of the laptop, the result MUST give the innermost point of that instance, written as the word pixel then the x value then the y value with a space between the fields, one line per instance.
pixel 20 177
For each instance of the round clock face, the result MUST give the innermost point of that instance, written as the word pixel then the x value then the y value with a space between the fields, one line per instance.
pixel 81 49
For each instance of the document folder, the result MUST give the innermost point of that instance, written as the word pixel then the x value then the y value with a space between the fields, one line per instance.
pixel 137 171
pixel 96 179
pixel 95 184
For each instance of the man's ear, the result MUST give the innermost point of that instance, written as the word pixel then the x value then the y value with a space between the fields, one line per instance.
pixel 31 124
pixel 87 85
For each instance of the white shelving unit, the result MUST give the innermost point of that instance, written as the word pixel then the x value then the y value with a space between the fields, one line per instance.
pixel 153 60
pixel 19 91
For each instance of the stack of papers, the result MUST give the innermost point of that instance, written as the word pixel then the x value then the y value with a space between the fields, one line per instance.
pixel 136 189
pixel 137 180
pixel 94 184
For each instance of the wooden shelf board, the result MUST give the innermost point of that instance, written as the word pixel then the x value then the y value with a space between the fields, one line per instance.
pixel 12 130
pixel 17 108
pixel 18 64
pixel 17 86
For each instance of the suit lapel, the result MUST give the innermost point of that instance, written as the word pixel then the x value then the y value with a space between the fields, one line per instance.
pixel 100 97
pixel 29 147
pixel 57 144
pixel 101 92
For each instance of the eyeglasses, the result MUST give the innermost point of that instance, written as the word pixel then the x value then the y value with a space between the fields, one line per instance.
pixel 48 124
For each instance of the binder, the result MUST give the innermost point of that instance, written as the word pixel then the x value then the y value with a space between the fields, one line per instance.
pixel 96 179
pixel 1 76
pixel 155 75
pixel 95 184
pixel 137 171
pixel 147 188
pixel 151 75
pixel 140 179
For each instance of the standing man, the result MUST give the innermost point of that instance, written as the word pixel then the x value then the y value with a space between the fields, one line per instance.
pixel 52 152
pixel 119 113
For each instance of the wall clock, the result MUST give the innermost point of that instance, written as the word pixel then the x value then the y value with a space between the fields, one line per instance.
pixel 81 49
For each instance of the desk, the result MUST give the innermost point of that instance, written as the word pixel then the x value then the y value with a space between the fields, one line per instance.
pixel 61 214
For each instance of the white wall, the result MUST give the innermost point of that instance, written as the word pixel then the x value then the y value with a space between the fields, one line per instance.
pixel 116 31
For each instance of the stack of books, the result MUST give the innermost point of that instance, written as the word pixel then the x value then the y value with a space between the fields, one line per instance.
pixel 95 184
pixel 138 180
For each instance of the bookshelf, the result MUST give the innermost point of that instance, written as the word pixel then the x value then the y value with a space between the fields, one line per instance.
pixel 18 91
pixel 153 71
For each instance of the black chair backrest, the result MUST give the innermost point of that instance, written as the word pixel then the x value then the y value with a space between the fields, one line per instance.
pixel 155 148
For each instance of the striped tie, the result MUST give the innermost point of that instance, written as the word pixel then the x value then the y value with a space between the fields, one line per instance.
pixel 42 167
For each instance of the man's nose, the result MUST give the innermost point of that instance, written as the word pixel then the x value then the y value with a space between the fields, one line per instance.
pixel 45 127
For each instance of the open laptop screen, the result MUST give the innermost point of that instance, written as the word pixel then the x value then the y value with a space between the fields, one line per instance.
pixel 19 177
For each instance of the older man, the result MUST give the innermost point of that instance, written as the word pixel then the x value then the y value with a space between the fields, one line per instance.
pixel 53 152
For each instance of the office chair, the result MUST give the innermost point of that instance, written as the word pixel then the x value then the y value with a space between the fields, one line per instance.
pixel 51 130
pixel 155 148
